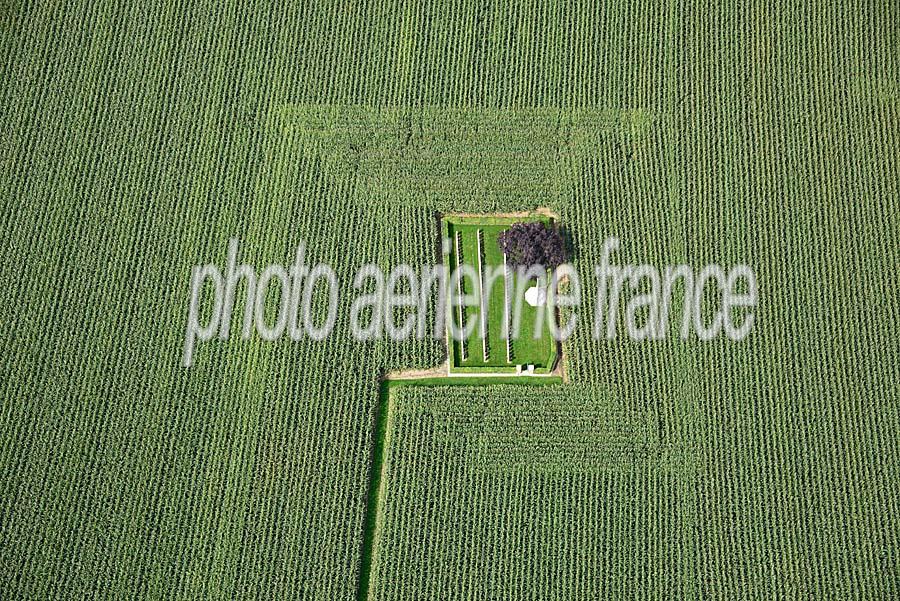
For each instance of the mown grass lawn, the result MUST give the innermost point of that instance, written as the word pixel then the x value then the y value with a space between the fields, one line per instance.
pixel 533 345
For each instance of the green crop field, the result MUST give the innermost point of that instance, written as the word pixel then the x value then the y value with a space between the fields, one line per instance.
pixel 511 482
pixel 138 138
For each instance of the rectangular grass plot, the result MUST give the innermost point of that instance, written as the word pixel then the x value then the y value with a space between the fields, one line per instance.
pixel 479 272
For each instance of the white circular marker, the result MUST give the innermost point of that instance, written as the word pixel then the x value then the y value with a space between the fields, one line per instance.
pixel 536 297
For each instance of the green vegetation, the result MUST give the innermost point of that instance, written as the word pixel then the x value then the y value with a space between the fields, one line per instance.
pixel 473 242
pixel 503 467
pixel 384 425
pixel 139 137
